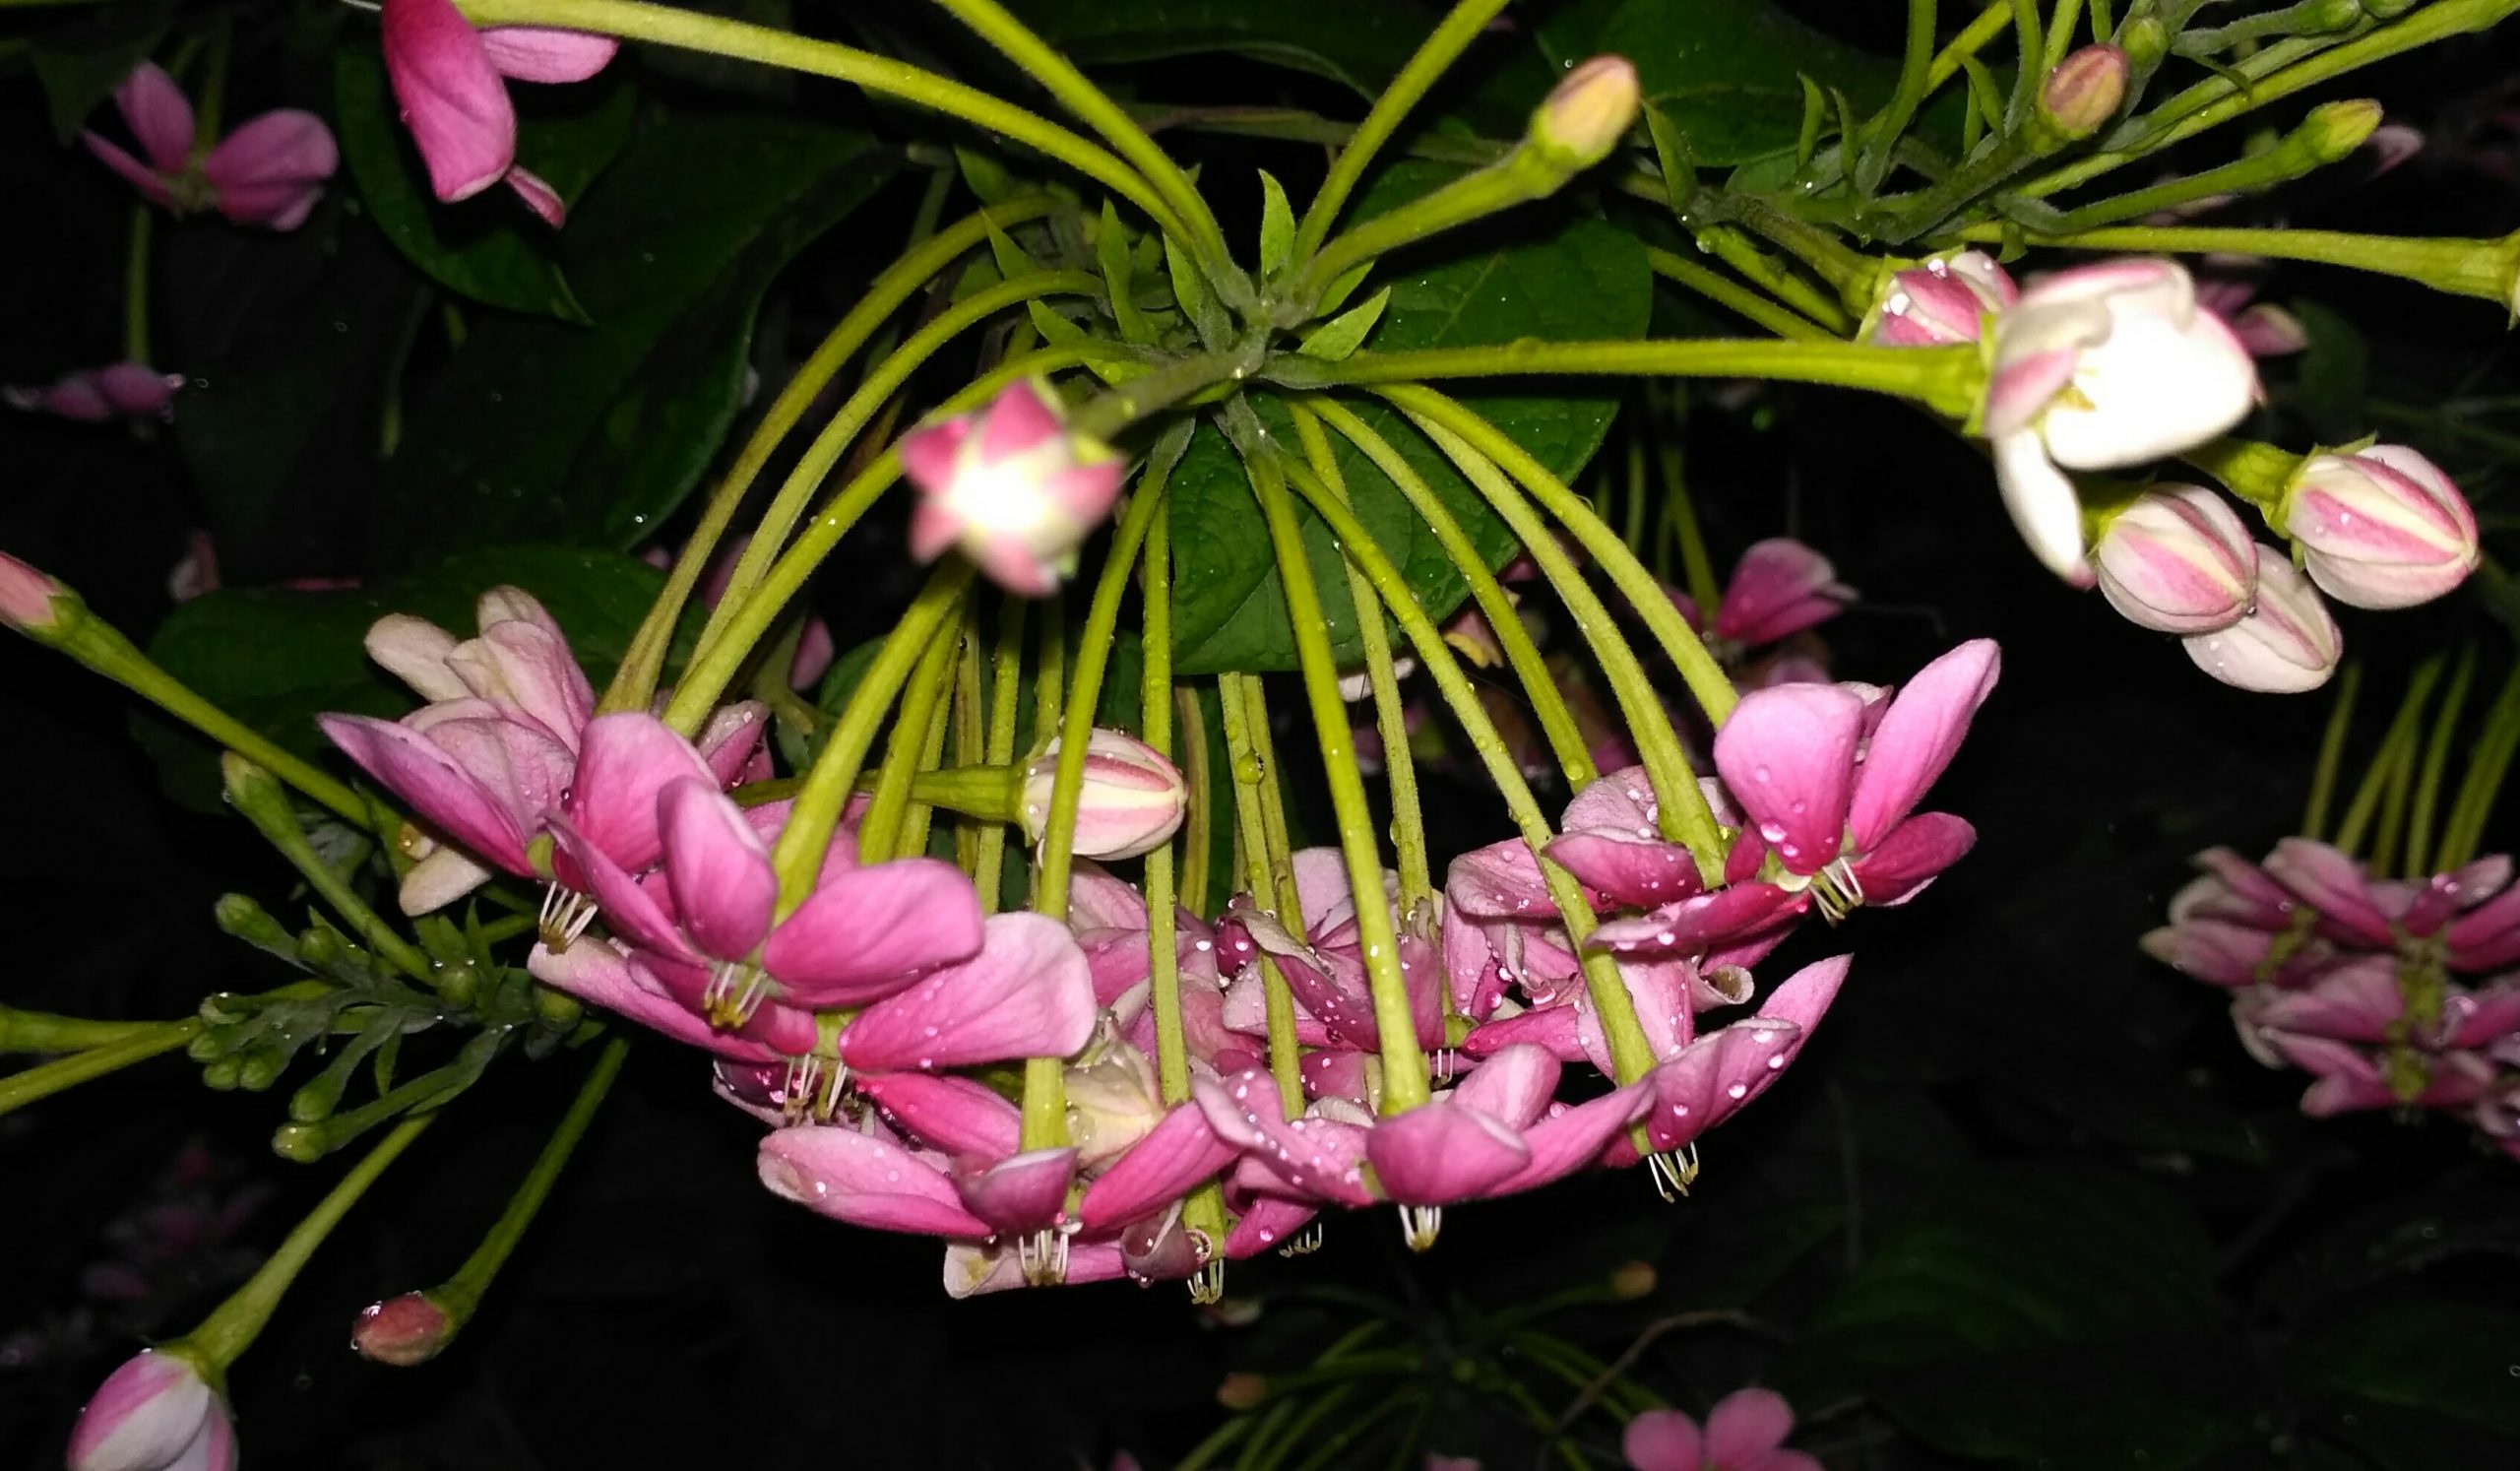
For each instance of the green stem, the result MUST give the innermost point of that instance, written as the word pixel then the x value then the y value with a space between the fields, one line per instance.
pixel 1404 1082
pixel 880 832
pixel 1773 277
pixel 135 287
pixel 212 106
pixel 1948 380
pixel 2488 763
pixel 1266 872
pixel 2487 270
pixel 1198 827
pixel 1124 403
pixel 1391 722
pixel 1971 39
pixel 44 1080
pixel 255 794
pixel 2436 760
pixel 1191 219
pixel 1556 719
pixel 2029 45
pixel 815 816
pixel 1155 728
pixel 2307 148
pixel 2060 30
pixel 632 20
pixel 1526 174
pixel 1006 684
pixel 1747 305
pixel 2331 758
pixel 1441 49
pixel 45 1032
pixel 232 1327
pixel 643 662
pixel 2258 474
pixel 457 1296
pixel 1915 60
pixel 2396 749
pixel 920 812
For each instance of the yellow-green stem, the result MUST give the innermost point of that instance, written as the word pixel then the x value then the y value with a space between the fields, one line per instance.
pixel 1155 728
pixel 2487 268
pixel 879 833
pixel 1266 875
pixel 1006 684
pixel 1740 300
pixel 1948 380
pixel 2331 760
pixel 461 1294
pixel 2436 760
pixel 2397 748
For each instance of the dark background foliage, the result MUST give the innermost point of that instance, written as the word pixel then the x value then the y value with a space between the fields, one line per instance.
pixel 2022 1199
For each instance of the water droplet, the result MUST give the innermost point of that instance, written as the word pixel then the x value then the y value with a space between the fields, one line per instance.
pixel 1738 1091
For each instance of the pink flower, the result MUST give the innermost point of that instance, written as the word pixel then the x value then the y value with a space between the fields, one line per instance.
pixel 2381 528
pixel 1132 799
pixel 1324 965
pixel 1941 302
pixel 2177 559
pixel 1497 1132
pixel 1747 1432
pixel 2098 366
pixel 1780 587
pixel 156 1413
pixel 2286 644
pixel 451 82
pixel 26 596
pixel 121 390
pixel 2265 329
pixel 1012 487
pixel 269 172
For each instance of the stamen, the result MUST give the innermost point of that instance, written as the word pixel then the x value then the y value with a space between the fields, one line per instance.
pixel 1673 1171
pixel 804 1075
pixel 734 992
pixel 1043 1256
pixel 1303 1243
pixel 1207 1285
pixel 1418 1225
pixel 566 914
pixel 1837 890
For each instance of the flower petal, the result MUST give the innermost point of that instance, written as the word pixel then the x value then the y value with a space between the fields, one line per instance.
pixel 864 1181
pixel 269 171
pixel 1570 1139
pixel 1638 874
pixel 1514 1084
pixel 1022 1192
pixel 2044 505
pixel 537 53
pixel 138 174
pixel 1181 1151
pixel 1440 1153
pixel 624 760
pixel 1918 737
pixel 598 974
pixel 1787 756
pixel 452 97
pixel 1715 1076
pixel 1663 1440
pixel 954 1113
pixel 2335 885
pixel 724 887
pixel 159 115
pixel 867 932
pixel 1779 588
pixel 1745 1425
pixel 437 788
pixel 1312 1155
pixel 1900 864
pixel 1027 993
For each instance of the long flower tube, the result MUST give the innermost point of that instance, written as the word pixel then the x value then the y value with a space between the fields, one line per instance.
pixel 1268 870
pixel 2486 269
pixel 1947 380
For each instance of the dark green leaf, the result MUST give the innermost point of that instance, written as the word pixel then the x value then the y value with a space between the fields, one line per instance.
pixel 1582 279
pixel 1728 72
pixel 490 249
pixel 276 658
pixel 541 429
pixel 2459 1361
pixel 1360 45
pixel 2335 374
pixel 82 57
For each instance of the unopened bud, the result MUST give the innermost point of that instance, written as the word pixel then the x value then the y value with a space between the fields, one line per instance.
pixel 558 1007
pixel 2388 10
pixel 2177 559
pixel 2383 528
pixel 261 1068
pixel 239 915
pixel 2144 39
pixel 2288 643
pixel 302 1143
pixel 403 1331
pixel 2083 93
pixel 1586 115
pixel 211 1043
pixel 2334 130
pixel 1132 800
pixel 26 598
pixel 1241 1392
pixel 1940 301
pixel 1632 1281
pixel 322 950
pixel 220 1076
pixel 457 985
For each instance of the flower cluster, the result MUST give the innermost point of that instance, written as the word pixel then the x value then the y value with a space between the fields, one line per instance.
pixel 2393 993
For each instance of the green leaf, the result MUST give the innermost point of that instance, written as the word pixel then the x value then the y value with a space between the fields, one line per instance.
pixel 491 250
pixel 1277 226
pixel 543 430
pixel 1358 45
pixel 1341 336
pixel 1111 253
pixel 2043 1316
pixel 276 658
pixel 2447 1359
pixel 2335 374
pixel 1728 72
pixel 1580 280
pixel 81 59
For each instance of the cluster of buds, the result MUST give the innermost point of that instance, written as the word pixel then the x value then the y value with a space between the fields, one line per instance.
pixel 2392 994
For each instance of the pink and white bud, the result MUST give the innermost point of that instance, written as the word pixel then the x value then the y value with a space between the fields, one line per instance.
pixel 2102 367
pixel 2178 561
pixel 26 596
pixel 1012 487
pixel 1131 802
pixel 403 1331
pixel 155 1413
pixel 2287 643
pixel 2084 92
pixel 122 390
pixel 1584 117
pixel 2383 528
pixel 1941 302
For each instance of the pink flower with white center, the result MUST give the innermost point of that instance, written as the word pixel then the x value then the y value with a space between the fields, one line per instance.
pixel 157 1412
pixel 1833 804
pixel 1941 302
pixel 2101 366
pixel 269 172
pixel 1747 1432
pixel 2178 560
pixel 1010 485
pixel 451 81
pixel 2381 528
pixel 1131 802
pixel 94 395
pixel 2286 644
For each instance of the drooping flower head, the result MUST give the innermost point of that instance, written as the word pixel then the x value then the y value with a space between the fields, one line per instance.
pixel 1010 485
pixel 452 83
pixel 268 172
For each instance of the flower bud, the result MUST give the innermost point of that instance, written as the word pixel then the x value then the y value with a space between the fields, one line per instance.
pixel 2334 130
pixel 2083 93
pixel 1241 1392
pixel 1941 302
pixel 1132 801
pixel 25 598
pixel 155 1412
pixel 2383 528
pixel 1584 117
pixel 1634 1280
pixel 2287 643
pixel 1011 485
pixel 2144 39
pixel 403 1331
pixel 2178 561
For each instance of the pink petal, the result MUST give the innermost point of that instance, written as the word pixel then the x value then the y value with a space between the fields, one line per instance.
pixel 929 456
pixel 1904 862
pixel 1639 875
pixel 1555 1030
pixel 1745 1425
pixel 625 761
pixel 2358 1001
pixel 1663 1440
pixel 2487 937
pixel 533 53
pixel 144 1414
pixel 1311 1154
pixel 722 884
pixel 1181 1151
pixel 1804 997
pixel 1500 881
pixel 152 186
pixel 864 1181
pixel 1018 421
pixel 598 975
pixel 1788 757
pixel 539 196
pixel 1622 802
pixel 159 115
pixel 532 668
pixel 137 390
pixel 934 527
pixel 868 932
pixel 1695 926
pixel 954 1113
pixel 1027 993
pixel 1779 588
pixel 1568 1140
pixel 1270 1222
pixel 1024 1193
pixel 2021 389
pixel 1514 1084
pixel 1917 735
pixel 269 171
pixel 452 97
pixel 730 740
pixel 2333 884
pixel 438 788
pixel 631 910
pixel 2479 1018
pixel 518 766
pixel 1715 1076
pixel 1438 1153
